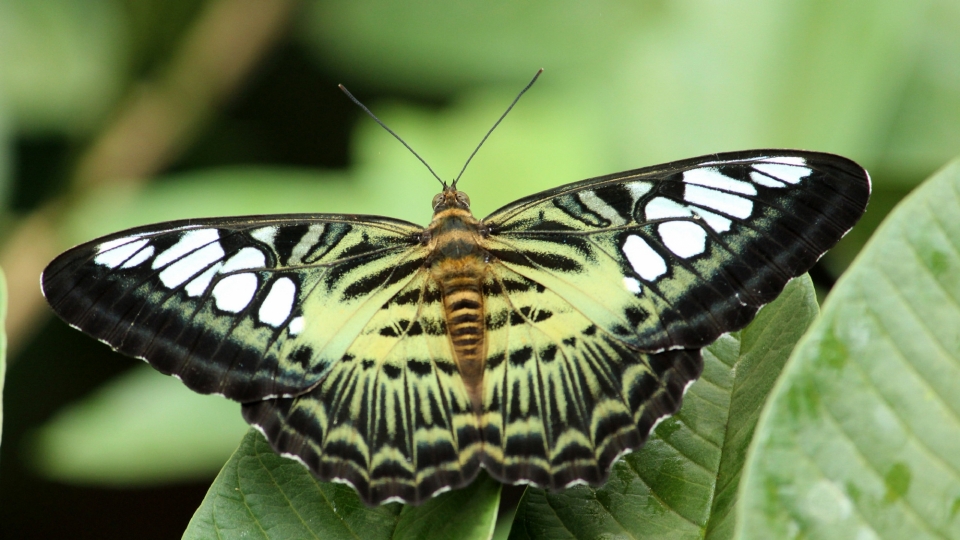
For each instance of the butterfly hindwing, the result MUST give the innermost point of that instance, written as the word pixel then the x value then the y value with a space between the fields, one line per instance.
pixel 248 307
pixel 391 417
pixel 675 255
pixel 562 397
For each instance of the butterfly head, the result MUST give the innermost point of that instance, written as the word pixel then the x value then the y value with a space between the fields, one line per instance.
pixel 450 198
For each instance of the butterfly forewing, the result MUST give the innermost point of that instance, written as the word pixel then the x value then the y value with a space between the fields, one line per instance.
pixel 249 307
pixel 675 255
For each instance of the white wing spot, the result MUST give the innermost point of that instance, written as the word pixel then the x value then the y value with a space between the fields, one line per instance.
pixel 199 284
pixel 141 257
pixel 663 208
pixel 278 303
pixel 267 235
pixel 116 252
pixel 246 258
pixel 786 160
pixel 632 285
pixel 638 189
pixel 190 241
pixel 646 262
pixel 717 223
pixel 765 180
pixel 118 242
pixel 791 174
pixel 684 238
pixel 295 326
pixel 185 266
pixel 727 203
pixel 234 292
pixel 715 179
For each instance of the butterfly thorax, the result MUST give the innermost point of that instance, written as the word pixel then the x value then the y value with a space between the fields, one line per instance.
pixel 458 264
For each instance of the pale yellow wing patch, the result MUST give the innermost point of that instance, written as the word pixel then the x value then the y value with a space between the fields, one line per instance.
pixel 562 397
pixel 392 416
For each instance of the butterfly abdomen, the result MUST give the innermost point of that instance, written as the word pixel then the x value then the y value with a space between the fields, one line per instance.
pixel 459 266
pixel 463 307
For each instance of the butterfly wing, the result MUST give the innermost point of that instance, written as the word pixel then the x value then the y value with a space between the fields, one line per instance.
pixel 603 291
pixel 249 307
pixel 675 255
pixel 392 418
pixel 562 397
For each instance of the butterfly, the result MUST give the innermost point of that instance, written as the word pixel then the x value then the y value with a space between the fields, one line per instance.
pixel 540 343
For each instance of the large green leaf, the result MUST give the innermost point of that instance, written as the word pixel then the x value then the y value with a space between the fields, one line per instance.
pixel 259 494
pixel 683 483
pixel 862 435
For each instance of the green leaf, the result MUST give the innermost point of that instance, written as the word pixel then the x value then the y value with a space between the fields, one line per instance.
pixel 260 494
pixel 142 428
pixel 683 483
pixel 861 438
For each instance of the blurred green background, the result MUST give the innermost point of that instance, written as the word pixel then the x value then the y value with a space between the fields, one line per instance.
pixel 115 113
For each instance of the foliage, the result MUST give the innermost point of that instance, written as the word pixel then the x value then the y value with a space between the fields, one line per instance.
pixel 861 438
pixel 259 494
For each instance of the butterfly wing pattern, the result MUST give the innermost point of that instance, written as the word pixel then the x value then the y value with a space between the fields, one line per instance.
pixel 643 268
pixel 540 343
pixel 227 305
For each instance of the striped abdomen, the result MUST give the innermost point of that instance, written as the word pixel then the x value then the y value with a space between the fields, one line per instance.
pixel 463 305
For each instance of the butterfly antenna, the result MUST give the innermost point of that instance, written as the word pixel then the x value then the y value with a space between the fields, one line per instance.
pixel 504 115
pixel 384 126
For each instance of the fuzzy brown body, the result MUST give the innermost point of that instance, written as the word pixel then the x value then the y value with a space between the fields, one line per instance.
pixel 459 265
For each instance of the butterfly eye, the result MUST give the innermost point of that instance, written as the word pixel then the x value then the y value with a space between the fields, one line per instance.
pixel 437 200
pixel 463 199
